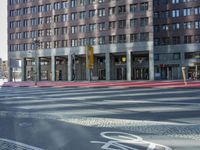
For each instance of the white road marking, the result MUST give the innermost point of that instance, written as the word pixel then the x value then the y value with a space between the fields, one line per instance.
pixel 28 147
pixel 120 139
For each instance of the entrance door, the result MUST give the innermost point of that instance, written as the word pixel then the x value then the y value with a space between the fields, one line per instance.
pixel 141 73
pixel 101 74
pixel 121 73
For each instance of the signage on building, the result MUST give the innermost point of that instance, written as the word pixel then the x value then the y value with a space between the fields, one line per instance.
pixel 169 65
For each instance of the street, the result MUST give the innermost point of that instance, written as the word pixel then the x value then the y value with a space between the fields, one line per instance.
pixel 113 118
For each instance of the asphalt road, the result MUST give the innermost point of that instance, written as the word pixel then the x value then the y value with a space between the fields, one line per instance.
pixel 99 119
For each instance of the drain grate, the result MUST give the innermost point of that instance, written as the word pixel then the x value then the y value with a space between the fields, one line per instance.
pixel 6 144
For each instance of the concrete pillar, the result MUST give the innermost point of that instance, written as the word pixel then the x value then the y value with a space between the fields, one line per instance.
pixel 23 69
pixel 107 66
pixel 37 68
pixel 9 70
pixel 53 68
pixel 128 65
pixel 69 67
pixel 151 65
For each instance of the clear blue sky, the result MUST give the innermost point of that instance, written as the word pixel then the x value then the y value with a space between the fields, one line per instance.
pixel 3 29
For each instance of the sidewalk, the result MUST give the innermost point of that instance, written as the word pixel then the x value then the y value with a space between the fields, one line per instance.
pixel 125 84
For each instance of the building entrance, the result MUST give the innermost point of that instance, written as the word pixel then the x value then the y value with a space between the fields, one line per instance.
pixel 121 73
pixel 141 73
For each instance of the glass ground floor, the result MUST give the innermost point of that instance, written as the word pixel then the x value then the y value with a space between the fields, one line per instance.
pixel 111 66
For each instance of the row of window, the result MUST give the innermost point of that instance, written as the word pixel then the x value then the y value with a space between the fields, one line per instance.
pixel 83 42
pixel 161 2
pixel 177 40
pixel 177 13
pixel 64 5
pixel 102 26
pixel 177 26
pixel 177 56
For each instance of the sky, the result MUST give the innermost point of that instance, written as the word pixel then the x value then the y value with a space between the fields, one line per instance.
pixel 3 29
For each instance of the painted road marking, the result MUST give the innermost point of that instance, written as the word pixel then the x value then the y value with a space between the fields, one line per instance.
pixel 14 145
pixel 119 141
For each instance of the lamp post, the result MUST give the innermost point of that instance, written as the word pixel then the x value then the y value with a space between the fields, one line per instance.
pixel 36 43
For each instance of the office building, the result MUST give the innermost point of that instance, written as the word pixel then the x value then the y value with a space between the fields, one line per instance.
pixel 130 39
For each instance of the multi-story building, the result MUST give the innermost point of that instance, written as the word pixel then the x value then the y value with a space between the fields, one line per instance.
pixel 177 38
pixel 128 42
pixel 1 68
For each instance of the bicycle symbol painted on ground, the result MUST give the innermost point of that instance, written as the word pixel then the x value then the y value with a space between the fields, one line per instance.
pixel 126 141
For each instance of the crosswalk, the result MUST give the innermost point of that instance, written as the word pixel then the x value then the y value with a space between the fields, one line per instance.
pixel 99 99
pixel 111 107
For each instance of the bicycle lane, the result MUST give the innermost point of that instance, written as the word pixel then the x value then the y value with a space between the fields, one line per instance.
pixel 53 134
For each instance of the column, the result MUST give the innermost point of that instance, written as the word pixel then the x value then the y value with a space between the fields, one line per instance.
pixel 151 65
pixel 128 65
pixel 10 70
pixel 37 68
pixel 53 68
pixel 69 67
pixel 107 66
pixel 23 69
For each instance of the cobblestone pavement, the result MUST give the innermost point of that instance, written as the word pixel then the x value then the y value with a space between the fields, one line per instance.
pixel 168 113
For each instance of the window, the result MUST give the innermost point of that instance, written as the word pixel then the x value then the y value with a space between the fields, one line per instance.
pixel 176 40
pixel 121 9
pixel 91 1
pixel 187 39
pixel 48 32
pixel 187 12
pixel 187 25
pixel 92 13
pixel 197 10
pixel 176 26
pixel 111 11
pixel 101 40
pixel 82 28
pixel 197 24
pixel 134 37
pixel 74 29
pixel 102 26
pixel 112 25
pixel 121 38
pixel 82 15
pixel 73 3
pixel 41 20
pixel 82 42
pixel 133 8
pixel 112 39
pixel 64 30
pixel 92 41
pixel 48 19
pixel 165 41
pixel 122 24
pixel 144 36
pixel 74 42
pixel 92 27
pixel 134 22
pixel 101 12
pixel 144 6
pixel 175 13
pixel 144 21
pixel 73 16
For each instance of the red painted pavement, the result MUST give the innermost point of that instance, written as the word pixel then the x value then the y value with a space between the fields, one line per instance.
pixel 125 84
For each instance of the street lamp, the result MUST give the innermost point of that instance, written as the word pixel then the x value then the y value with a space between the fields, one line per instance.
pixel 36 43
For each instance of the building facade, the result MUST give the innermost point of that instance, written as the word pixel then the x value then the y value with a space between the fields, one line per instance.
pixel 127 37
pixel 177 38
pixel 1 68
